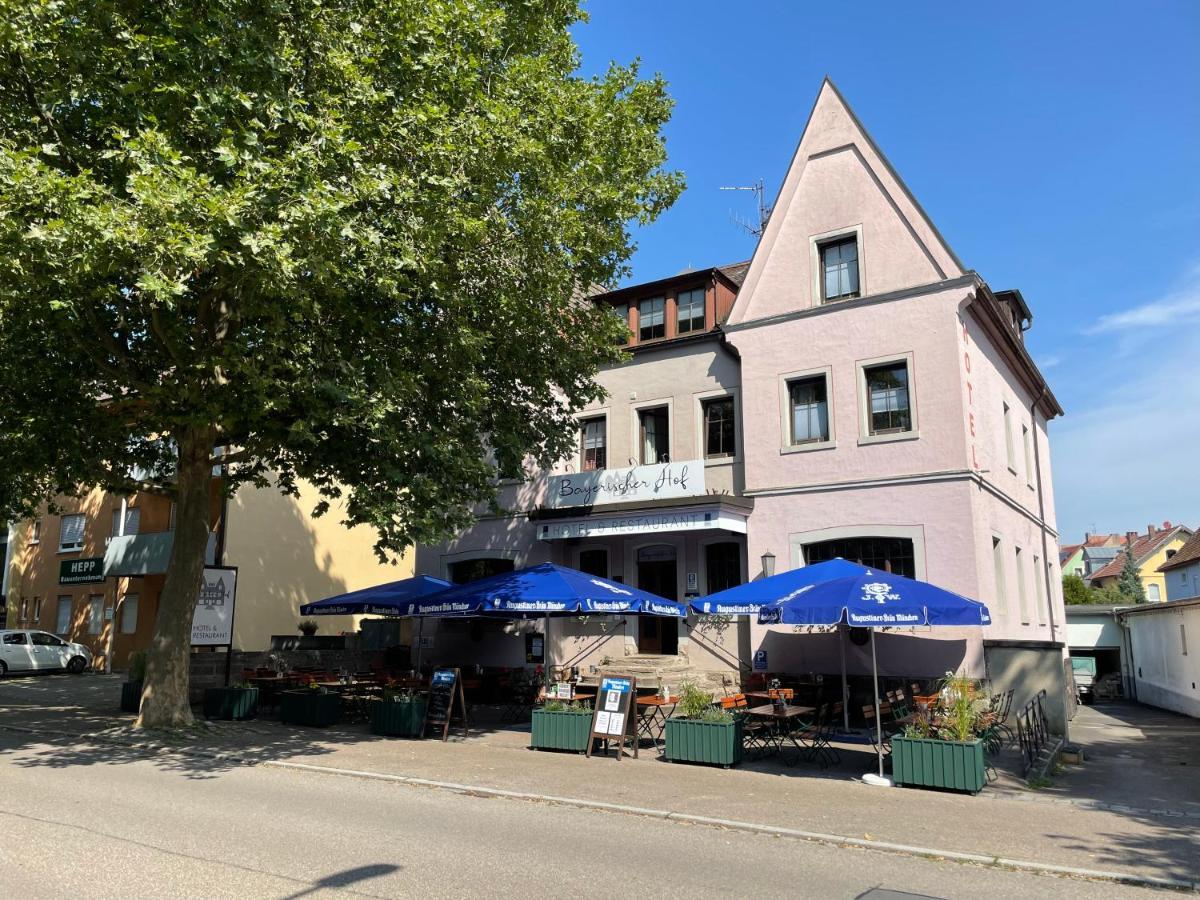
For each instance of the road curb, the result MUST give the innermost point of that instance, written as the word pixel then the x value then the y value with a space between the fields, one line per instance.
pixel 837 840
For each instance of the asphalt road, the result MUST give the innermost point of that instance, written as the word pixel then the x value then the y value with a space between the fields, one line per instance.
pixel 129 827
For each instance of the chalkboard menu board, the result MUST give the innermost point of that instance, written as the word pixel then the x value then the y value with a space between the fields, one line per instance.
pixel 614 716
pixel 445 692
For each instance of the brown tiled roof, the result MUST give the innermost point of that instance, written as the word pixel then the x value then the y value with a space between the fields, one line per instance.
pixel 1188 553
pixel 1143 547
pixel 1102 540
pixel 735 272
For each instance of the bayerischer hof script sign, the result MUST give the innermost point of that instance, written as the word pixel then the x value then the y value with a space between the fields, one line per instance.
pixel 641 483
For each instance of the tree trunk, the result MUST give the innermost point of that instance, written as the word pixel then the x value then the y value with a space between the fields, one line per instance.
pixel 168 662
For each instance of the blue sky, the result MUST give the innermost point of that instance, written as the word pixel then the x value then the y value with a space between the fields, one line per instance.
pixel 1055 145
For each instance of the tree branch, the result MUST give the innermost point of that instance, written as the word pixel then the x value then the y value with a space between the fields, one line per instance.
pixel 42 112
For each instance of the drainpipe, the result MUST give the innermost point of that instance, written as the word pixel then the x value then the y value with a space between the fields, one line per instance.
pixel 1041 494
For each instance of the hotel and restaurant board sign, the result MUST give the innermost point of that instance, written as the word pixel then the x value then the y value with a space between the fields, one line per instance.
pixel 634 485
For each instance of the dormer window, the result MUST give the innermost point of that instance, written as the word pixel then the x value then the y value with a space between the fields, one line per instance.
pixel 690 305
pixel 839 268
pixel 652 320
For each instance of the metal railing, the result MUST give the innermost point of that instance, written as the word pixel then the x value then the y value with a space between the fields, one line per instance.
pixel 1033 731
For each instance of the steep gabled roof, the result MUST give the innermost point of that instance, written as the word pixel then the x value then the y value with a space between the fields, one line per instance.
pixel 1144 547
pixel 1188 553
pixel 832 127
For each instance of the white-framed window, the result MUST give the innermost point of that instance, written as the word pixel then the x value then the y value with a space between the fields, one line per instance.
pixel 1040 589
pixel 593 444
pixel 720 428
pixel 998 570
pixel 654 435
pixel 24 609
pixel 129 613
pixel 126 524
pixel 1022 593
pixel 62 623
pixel 95 614
pixel 1153 593
pixel 35 534
pixel 1027 441
pixel 37 609
pixel 1008 440
pixel 70 533
pixel 808 409
pixel 839 268
pixel 690 311
pixel 887 399
pixel 652 319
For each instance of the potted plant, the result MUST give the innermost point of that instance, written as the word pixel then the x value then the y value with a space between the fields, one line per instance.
pixel 312 705
pixel 131 688
pixel 307 627
pixel 559 725
pixel 238 701
pixel 943 747
pixel 699 732
pixel 398 714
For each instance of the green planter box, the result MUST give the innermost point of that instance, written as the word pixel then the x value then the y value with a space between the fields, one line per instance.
pixel 928 762
pixel 230 703
pixel 565 730
pixel 716 743
pixel 398 719
pixel 131 696
pixel 309 707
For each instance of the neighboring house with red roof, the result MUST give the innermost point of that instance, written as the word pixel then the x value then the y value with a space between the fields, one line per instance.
pixel 1150 551
pixel 1182 571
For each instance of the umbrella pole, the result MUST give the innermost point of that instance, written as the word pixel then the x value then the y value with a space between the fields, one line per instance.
pixel 845 687
pixel 420 634
pixel 546 650
pixel 879 780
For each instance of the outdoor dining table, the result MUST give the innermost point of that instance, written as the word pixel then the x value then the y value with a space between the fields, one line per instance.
pixel 783 719
pixel 652 716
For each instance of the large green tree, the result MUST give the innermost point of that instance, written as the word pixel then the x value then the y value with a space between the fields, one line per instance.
pixel 343 241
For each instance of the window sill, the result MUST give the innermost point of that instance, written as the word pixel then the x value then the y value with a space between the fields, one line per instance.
pixel 721 460
pixel 808 448
pixel 888 438
pixel 70 549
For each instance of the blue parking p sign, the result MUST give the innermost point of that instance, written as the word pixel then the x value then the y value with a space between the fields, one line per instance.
pixel 760 660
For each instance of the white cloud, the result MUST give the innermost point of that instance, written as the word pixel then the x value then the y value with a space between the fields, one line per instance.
pixel 1174 309
pixel 1048 362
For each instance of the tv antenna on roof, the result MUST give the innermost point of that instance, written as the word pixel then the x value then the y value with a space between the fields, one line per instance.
pixel 764 211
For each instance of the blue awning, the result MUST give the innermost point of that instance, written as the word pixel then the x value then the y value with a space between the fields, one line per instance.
pixel 391 599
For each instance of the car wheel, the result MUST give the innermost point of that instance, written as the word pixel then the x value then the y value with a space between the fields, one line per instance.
pixel 76 665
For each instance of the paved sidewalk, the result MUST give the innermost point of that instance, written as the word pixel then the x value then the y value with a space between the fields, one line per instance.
pixel 1055 826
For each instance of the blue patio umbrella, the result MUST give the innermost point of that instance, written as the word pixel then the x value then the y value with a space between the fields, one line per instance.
pixel 875 599
pixel 747 599
pixel 391 599
pixel 543 591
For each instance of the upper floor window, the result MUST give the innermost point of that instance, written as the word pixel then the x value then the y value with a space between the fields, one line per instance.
pixel 621 311
pixel 70 533
pixel 809 400
pixel 690 305
pixel 1027 440
pixel 839 269
pixel 1008 440
pixel 35 536
pixel 888 404
pixel 652 321
pixel 719 430
pixel 655 427
pixel 128 523
pixel 593 444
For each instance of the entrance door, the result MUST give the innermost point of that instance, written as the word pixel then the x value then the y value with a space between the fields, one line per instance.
pixel 656 573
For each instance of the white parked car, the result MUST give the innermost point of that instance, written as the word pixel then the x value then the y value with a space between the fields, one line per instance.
pixel 24 650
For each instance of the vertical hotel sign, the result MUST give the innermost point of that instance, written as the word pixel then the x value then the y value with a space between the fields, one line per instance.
pixel 212 620
pixel 966 357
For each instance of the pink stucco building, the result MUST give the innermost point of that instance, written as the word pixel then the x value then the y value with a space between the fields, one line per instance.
pixel 853 390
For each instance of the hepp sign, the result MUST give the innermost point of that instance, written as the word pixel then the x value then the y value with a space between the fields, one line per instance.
pixel 637 484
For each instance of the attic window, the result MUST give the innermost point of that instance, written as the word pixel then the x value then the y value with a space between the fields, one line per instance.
pixel 839 268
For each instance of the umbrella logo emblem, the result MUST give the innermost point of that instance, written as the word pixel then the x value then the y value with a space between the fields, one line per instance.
pixel 879 592
pixel 613 588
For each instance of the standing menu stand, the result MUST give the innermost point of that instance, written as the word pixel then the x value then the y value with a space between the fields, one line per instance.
pixel 614 717
pixel 445 691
